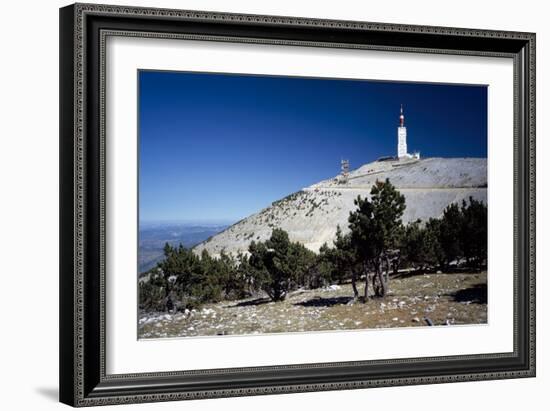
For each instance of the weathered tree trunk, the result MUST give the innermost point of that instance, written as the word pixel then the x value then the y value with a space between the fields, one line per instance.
pixel 366 282
pixel 378 278
pixel 278 291
pixel 383 285
pixel 354 285
pixel 396 266
pixel 387 274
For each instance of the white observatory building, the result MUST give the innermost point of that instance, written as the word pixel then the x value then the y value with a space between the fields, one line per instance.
pixel 402 140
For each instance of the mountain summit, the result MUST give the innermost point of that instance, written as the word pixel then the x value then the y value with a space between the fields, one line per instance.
pixel 310 216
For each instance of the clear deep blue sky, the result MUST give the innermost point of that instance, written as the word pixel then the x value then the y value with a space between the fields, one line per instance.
pixel 217 147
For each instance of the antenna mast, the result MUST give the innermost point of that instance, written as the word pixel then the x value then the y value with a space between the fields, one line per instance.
pixel 344 175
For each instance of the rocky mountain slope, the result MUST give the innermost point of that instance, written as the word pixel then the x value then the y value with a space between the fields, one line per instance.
pixel 311 215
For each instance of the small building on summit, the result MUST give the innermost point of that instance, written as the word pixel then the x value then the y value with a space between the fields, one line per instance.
pixel 402 153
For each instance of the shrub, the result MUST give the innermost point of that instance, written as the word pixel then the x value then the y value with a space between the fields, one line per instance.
pixel 279 265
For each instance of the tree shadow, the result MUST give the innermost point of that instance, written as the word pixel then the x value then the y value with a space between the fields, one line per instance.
pixel 257 301
pixel 408 274
pixel 325 302
pixel 432 270
pixel 476 294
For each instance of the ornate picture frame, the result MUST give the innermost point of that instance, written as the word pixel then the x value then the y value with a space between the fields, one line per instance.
pixel 84 380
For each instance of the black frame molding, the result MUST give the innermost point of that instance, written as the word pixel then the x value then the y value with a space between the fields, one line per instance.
pixel 83 30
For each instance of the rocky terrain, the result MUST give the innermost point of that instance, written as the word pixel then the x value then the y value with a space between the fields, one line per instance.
pixel 413 300
pixel 310 216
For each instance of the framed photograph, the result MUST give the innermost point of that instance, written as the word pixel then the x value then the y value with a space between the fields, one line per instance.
pixel 261 204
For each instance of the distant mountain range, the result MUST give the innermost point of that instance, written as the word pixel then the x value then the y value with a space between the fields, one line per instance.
pixel 311 216
pixel 153 237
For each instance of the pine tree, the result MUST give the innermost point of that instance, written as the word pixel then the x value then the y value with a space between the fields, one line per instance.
pixel 449 234
pixel 375 230
pixel 473 232
pixel 279 265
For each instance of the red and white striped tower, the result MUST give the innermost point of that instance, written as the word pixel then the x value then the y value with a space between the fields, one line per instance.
pixel 402 136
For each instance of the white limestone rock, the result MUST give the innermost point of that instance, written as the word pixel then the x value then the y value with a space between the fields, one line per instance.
pixel 310 216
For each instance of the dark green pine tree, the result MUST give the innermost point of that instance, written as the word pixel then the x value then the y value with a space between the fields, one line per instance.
pixel 473 232
pixel 376 227
pixel 279 265
pixel 449 234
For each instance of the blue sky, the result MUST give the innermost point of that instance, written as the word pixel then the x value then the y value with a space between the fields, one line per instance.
pixel 219 147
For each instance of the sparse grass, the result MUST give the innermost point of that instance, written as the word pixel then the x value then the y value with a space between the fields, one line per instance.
pixel 441 298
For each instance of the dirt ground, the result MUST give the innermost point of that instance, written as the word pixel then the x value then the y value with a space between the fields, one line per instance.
pixel 413 301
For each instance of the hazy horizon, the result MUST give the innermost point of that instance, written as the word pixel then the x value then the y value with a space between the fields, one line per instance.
pixel 186 222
